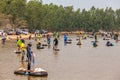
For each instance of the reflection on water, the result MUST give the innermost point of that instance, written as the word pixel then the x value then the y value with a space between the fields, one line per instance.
pixel 79 46
pixel 55 53
pixel 36 78
pixel 72 62
pixel 29 78
pixel 19 56
pixel 23 65
pixel 49 46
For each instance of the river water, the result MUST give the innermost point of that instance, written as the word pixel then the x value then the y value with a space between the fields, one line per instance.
pixel 72 62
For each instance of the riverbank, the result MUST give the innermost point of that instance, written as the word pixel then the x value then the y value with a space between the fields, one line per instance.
pixel 13 37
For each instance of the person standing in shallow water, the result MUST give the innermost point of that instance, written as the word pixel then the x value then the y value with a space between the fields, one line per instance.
pixel 23 48
pixel 95 37
pixel 19 43
pixel 116 37
pixel 55 43
pixel 48 39
pixel 79 42
pixel 3 38
pixel 29 56
pixel 30 37
pixel 65 38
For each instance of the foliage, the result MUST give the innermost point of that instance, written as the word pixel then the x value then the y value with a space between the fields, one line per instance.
pixel 58 18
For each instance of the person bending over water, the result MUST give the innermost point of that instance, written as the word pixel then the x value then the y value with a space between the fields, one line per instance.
pixel 95 44
pixel 38 45
pixel 109 43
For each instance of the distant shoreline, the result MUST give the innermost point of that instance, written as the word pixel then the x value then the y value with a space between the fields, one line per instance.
pixel 13 37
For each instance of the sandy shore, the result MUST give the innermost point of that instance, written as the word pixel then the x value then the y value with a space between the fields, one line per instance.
pixel 13 37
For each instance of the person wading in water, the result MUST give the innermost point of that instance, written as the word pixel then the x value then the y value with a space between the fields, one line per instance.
pixel 30 57
pixel 23 48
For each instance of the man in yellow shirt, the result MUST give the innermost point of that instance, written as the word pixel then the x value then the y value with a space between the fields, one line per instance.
pixel 23 48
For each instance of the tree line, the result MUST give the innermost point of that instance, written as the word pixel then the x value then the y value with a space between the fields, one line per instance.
pixel 51 17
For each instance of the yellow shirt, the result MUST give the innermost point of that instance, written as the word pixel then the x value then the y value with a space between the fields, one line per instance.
pixel 22 46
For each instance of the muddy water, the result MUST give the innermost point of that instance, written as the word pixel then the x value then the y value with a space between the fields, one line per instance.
pixel 72 62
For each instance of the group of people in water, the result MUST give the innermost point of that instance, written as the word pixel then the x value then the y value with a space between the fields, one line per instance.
pixel 107 37
pixel 31 56
pixel 84 36
pixel 39 45
pixel 27 51
pixel 23 48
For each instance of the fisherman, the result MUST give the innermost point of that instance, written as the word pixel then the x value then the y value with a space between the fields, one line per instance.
pixel 19 43
pixel 30 57
pixel 23 47
pixel 48 39
pixel 109 43
pixel 38 44
pixel 95 37
pixel 116 37
pixel 65 38
pixel 30 36
pixel 55 43
pixel 95 44
pixel 3 38
pixel 85 36
pixel 79 42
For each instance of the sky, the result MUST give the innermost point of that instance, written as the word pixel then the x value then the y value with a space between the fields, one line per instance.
pixel 87 4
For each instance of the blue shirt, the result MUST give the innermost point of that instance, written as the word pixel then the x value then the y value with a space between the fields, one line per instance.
pixel 29 53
